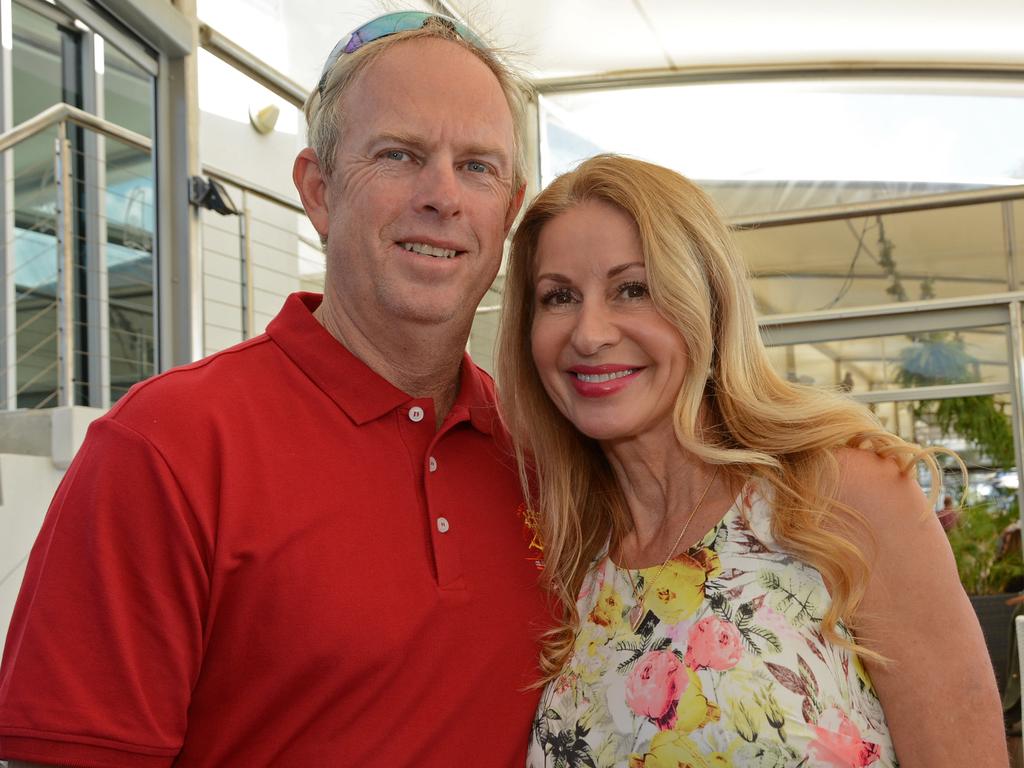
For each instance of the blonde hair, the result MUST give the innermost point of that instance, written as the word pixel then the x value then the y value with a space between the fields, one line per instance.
pixel 733 409
pixel 325 118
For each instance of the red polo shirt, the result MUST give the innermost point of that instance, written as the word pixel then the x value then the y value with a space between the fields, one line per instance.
pixel 271 557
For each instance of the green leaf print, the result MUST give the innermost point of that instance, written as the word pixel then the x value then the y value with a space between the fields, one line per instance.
pixel 635 651
pixel 662 644
pixel 785 598
pixel 541 727
pixel 720 606
pixel 770 638
pixel 569 748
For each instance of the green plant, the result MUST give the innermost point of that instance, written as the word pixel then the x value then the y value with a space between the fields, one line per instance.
pixel 988 558
pixel 987 562
pixel 941 358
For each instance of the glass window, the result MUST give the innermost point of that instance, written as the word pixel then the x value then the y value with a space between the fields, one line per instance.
pixel 127 92
pixel 765 146
pixel 896 362
pixel 941 253
pixel 36 58
pixel 113 216
pixel 130 220
pixel 36 85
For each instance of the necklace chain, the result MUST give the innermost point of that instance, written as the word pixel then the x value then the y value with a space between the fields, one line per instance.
pixel 637 611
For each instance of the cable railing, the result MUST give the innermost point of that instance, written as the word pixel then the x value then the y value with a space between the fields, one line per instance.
pixel 77 324
pixel 252 260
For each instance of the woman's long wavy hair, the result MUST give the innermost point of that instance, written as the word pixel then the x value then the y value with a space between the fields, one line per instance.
pixel 733 409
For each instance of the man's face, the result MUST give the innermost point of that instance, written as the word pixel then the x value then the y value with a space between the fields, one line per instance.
pixel 420 199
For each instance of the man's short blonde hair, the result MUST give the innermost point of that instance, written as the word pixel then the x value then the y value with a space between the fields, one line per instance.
pixel 325 120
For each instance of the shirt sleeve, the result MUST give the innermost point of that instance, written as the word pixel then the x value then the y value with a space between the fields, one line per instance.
pixel 106 638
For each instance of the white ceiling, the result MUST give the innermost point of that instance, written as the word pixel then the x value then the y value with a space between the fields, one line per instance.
pixel 559 38
pixel 585 37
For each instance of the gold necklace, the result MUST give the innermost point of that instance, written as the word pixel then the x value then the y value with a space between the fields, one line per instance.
pixel 637 612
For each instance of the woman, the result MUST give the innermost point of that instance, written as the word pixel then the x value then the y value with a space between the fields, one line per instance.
pixel 748 572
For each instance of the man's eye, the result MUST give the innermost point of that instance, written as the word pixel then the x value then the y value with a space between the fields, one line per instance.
pixel 396 154
pixel 476 166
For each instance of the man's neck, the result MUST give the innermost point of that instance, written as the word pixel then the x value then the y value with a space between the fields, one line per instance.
pixel 423 360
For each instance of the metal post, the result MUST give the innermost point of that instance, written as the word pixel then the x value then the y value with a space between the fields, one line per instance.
pixel 179 265
pixel 1015 343
pixel 1010 238
pixel 97 289
pixel 65 269
pixel 8 260
pixel 248 289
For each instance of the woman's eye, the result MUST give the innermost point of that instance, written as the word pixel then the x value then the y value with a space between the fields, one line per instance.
pixel 634 290
pixel 556 296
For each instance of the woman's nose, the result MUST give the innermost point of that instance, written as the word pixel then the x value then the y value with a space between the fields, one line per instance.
pixel 595 329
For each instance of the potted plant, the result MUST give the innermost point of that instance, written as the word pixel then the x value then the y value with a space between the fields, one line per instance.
pixel 987 547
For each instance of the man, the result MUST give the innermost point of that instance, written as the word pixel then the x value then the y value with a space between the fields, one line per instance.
pixel 305 550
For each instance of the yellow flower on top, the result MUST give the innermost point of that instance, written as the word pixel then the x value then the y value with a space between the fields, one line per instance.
pixel 607 612
pixel 672 749
pixel 694 710
pixel 862 673
pixel 746 718
pixel 679 590
pixel 592 656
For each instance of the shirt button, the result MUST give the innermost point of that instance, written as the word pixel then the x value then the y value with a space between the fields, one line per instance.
pixel 433 464
pixel 415 413
pixel 442 524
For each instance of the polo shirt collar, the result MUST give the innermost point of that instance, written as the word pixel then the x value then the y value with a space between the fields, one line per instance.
pixel 360 392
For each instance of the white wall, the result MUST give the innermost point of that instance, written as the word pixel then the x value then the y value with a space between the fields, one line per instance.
pixel 28 482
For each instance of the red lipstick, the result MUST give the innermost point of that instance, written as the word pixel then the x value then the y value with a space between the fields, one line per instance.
pixel 601 380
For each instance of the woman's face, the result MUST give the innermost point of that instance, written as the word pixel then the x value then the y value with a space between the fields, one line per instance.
pixel 608 360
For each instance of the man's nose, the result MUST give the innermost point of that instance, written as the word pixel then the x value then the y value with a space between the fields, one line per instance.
pixel 595 328
pixel 439 190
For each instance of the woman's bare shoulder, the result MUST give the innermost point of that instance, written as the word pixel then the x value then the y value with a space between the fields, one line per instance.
pixel 879 487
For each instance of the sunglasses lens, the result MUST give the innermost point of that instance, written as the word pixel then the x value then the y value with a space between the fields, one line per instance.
pixel 391 24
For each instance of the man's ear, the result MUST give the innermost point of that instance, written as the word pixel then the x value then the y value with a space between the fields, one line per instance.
pixel 312 186
pixel 513 208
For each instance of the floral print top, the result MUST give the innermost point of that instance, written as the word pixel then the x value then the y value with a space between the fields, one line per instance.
pixel 728 666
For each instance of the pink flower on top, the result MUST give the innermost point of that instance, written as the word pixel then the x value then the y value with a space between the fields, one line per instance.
pixel 654 686
pixel 839 744
pixel 714 644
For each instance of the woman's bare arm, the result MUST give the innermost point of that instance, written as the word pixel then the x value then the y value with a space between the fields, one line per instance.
pixel 939 691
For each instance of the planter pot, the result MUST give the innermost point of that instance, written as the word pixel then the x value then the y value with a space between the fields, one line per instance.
pixel 996 618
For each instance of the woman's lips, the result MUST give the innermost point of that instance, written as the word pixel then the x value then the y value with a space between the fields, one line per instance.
pixel 601 381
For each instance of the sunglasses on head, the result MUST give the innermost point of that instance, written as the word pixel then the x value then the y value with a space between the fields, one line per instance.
pixel 391 24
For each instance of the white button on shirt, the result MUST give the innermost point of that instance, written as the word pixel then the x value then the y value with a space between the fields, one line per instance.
pixel 442 524
pixel 415 413
pixel 432 464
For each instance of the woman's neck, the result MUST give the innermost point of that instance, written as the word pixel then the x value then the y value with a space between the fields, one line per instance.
pixel 664 486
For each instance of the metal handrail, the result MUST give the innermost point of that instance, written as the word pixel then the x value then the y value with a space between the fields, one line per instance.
pixel 712 73
pixel 880 208
pixel 252 67
pixel 61 112
pixel 267 194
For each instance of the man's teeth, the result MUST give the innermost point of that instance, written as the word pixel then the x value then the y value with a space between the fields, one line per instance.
pixel 597 378
pixel 429 250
